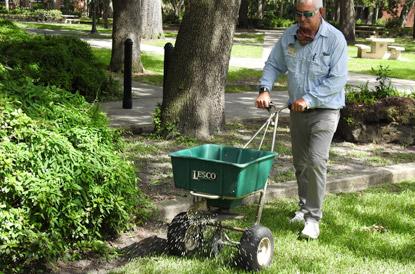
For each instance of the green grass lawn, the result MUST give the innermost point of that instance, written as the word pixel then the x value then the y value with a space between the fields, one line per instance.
pixel 245 45
pixel 365 232
pixel 402 69
pixel 67 27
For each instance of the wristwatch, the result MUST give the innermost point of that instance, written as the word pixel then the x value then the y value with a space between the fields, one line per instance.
pixel 263 89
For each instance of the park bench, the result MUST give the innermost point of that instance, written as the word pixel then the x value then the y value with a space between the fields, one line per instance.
pixel 70 19
pixel 362 49
pixel 395 52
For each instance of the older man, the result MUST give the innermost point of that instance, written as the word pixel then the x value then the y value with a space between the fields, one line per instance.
pixel 314 54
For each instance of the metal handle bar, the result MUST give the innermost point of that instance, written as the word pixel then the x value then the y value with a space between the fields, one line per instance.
pixel 274 114
pixel 204 195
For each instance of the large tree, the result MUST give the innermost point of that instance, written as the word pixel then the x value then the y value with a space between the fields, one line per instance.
pixel 413 27
pixel 347 20
pixel 406 7
pixel 194 94
pixel 152 22
pixel 94 4
pixel 126 24
pixel 243 20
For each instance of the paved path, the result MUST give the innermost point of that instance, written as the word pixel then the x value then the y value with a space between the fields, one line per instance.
pixel 238 106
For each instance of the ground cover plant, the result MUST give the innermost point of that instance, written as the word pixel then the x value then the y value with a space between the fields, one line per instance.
pixel 65 62
pixel 64 185
pixel 364 232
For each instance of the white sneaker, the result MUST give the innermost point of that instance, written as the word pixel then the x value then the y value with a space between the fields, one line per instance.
pixel 311 230
pixel 298 218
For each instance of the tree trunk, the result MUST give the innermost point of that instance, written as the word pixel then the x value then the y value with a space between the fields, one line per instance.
pixel 260 12
pixel 376 15
pixel 369 18
pixel 194 96
pixel 106 13
pixel 126 24
pixel 243 14
pixel 94 8
pixel 337 13
pixel 178 6
pixel 413 27
pixel 404 12
pixel 347 20
pixel 152 20
pixel 282 9
pixel 6 3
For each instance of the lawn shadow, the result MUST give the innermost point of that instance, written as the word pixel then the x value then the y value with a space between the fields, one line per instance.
pixel 147 247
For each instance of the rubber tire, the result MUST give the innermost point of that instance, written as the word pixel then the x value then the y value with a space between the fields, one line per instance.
pixel 249 246
pixel 176 234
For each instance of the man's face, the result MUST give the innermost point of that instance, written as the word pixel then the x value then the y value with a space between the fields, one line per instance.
pixel 308 17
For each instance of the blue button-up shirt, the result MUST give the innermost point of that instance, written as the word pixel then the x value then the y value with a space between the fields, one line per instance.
pixel 317 72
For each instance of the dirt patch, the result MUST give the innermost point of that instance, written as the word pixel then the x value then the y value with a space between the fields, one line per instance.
pixel 389 120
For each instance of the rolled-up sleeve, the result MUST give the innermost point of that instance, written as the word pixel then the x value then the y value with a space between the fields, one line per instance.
pixel 274 66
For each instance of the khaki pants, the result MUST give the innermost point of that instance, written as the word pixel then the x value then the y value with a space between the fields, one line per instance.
pixel 311 135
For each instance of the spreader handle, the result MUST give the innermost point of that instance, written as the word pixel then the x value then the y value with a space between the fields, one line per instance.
pixel 207 196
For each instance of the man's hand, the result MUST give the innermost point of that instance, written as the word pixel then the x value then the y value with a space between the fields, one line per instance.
pixel 263 100
pixel 299 105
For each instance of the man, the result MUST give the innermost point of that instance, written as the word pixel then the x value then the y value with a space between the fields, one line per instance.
pixel 314 54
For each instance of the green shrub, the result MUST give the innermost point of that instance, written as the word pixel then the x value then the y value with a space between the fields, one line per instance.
pixel 380 22
pixel 368 96
pixel 272 21
pixel 65 62
pixel 46 15
pixel 63 181
pixel 37 14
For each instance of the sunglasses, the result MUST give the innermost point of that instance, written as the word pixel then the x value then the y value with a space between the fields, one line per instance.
pixel 306 14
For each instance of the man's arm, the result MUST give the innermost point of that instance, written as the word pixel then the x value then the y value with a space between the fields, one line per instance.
pixel 274 66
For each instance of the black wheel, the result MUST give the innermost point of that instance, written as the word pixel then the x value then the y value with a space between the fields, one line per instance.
pixel 256 248
pixel 184 236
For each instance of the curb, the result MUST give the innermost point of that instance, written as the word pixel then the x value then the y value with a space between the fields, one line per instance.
pixel 368 178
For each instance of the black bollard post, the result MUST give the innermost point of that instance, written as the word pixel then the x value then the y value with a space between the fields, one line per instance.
pixel 168 52
pixel 128 56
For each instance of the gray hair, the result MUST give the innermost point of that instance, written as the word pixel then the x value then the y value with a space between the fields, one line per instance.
pixel 317 3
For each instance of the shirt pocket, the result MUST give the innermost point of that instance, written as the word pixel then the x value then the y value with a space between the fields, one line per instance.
pixel 291 62
pixel 320 66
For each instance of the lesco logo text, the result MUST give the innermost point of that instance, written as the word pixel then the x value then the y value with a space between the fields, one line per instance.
pixel 203 175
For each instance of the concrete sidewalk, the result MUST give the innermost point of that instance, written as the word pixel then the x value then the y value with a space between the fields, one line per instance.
pixel 238 106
